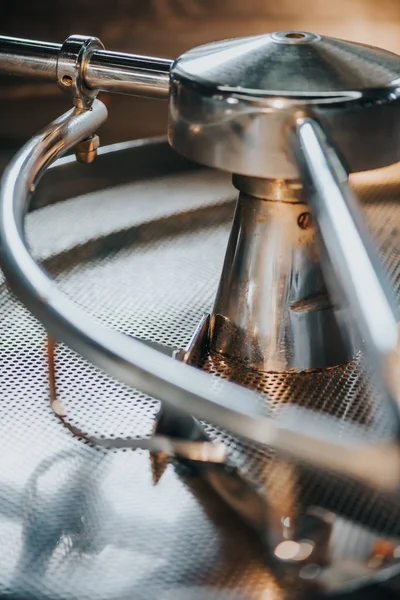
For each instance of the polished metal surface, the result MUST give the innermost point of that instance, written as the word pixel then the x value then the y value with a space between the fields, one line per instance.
pixel 226 127
pixel 290 64
pixel 281 190
pixel 272 319
pixel 136 364
pixel 199 344
pixel 232 102
pixel 29 58
pixel 79 521
pixel 352 269
pixel 72 63
pixel 105 71
pixel 132 74
pixel 272 310
pixel 248 500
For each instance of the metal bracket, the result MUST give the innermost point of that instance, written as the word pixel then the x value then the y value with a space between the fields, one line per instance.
pixel 71 65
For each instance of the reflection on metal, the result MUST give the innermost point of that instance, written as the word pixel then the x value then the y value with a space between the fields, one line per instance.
pixel 294 551
pixel 174 422
pixel 232 102
pixel 72 63
pixel 242 105
pixel 352 268
pixel 281 488
pixel 199 345
pixel 101 70
pixel 192 446
pixel 280 190
pixel 272 311
pixel 130 361
pixel 249 503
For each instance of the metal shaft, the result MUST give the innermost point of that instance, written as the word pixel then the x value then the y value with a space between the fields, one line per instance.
pixel 357 280
pixel 106 71
pixel 181 386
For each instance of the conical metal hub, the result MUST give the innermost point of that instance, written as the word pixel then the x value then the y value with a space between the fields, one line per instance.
pixel 289 63
pixel 233 102
pixel 233 105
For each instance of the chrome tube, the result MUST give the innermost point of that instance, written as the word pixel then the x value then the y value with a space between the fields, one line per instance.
pixel 128 74
pixel 128 360
pixel 28 58
pixel 106 71
pixel 357 279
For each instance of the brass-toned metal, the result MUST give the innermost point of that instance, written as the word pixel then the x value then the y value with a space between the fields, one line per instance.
pixel 281 190
pixel 86 150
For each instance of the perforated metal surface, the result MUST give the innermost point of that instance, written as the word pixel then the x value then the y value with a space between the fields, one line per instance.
pixel 81 522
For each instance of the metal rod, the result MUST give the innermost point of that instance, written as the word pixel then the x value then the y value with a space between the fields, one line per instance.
pixel 128 74
pixel 28 58
pixel 183 387
pixel 357 280
pixel 106 71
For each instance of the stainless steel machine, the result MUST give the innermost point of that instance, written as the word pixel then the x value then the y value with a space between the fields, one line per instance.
pixel 199 340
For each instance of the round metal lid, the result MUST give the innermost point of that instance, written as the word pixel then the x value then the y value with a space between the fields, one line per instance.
pixel 289 63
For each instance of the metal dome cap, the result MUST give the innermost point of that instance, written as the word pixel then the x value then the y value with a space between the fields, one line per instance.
pixel 232 100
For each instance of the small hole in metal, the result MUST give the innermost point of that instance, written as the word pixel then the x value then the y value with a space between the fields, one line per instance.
pixel 295 36
pixel 67 80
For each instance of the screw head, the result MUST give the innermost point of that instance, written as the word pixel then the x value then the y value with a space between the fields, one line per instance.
pixel 305 220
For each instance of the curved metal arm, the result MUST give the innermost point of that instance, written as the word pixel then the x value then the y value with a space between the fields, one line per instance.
pixel 358 281
pixel 184 387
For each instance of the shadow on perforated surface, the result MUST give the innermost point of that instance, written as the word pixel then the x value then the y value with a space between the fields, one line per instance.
pixel 81 522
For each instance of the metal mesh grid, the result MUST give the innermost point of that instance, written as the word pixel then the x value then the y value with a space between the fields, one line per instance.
pixel 77 521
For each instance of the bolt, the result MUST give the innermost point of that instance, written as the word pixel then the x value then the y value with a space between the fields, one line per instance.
pixel 305 220
pixel 86 150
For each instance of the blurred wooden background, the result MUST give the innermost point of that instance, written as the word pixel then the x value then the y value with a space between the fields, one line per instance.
pixel 168 28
